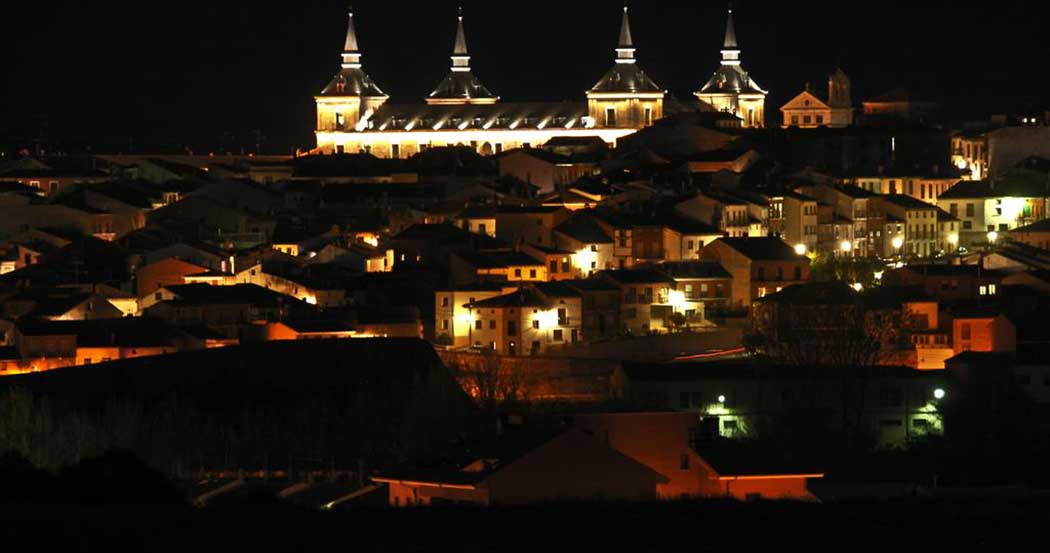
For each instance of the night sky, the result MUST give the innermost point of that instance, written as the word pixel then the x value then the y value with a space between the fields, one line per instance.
pixel 169 74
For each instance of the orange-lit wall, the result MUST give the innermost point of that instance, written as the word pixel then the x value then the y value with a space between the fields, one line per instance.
pixel 995 335
pixel 655 440
pixel 573 466
pixel 169 272
pixel 783 488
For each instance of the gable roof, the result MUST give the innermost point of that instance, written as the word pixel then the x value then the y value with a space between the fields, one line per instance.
pixel 763 249
pixel 799 102
pixel 584 229
pixel 638 276
pixel 685 270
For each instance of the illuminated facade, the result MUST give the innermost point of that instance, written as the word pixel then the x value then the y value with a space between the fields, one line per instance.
pixel 809 111
pixel 731 89
pixel 353 114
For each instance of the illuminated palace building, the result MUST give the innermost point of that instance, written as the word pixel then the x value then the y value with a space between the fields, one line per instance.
pixel 354 115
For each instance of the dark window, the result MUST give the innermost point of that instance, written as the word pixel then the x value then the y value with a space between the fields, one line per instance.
pixel 478 325
pixel 492 324
pixel 512 328
pixel 684 463
pixel 559 335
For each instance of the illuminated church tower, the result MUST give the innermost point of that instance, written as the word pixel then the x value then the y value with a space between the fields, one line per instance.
pixel 351 96
pixel 461 87
pixel 732 89
pixel 625 97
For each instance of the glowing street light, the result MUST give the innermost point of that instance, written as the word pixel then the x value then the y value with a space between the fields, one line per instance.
pixel 953 239
pixel 898 243
pixel 939 394
pixel 993 237
pixel 801 249
pixel 846 246
pixel 547 319
pixel 858 287
pixel 676 298
pixel 722 400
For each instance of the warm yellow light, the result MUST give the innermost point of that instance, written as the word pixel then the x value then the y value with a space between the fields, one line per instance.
pixel 801 249
pixel 547 319
pixel 466 318
pixel 1013 208
pixel 677 300
pixel 879 275
pixel 585 259
pixel 953 239
pixel 993 237
pixel 846 246
pixel 858 287
pixel 898 243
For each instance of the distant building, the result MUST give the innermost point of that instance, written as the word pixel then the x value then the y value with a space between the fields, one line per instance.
pixel 810 111
pixel 902 103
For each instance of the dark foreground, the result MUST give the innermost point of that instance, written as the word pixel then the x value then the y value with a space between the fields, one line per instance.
pixel 689 526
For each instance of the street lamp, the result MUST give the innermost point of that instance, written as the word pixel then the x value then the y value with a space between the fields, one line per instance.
pixel 939 394
pixel 801 249
pixel 722 400
pixel 993 237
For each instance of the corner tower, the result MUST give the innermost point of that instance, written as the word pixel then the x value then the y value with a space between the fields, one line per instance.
pixel 625 97
pixel 350 99
pixel 731 89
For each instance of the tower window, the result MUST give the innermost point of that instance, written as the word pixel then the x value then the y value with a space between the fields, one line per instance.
pixel 648 116
pixel 610 117
pixel 340 121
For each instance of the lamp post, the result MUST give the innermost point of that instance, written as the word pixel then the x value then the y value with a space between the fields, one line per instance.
pixel 801 249
pixel 898 245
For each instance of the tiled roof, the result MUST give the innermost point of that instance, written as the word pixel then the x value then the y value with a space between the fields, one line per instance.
pixel 763 249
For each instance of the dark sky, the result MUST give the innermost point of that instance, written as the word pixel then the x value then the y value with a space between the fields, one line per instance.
pixel 184 73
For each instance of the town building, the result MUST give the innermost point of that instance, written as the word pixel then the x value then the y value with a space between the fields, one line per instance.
pixel 529 321
pixel 758 266
pixel 994 206
pixel 527 467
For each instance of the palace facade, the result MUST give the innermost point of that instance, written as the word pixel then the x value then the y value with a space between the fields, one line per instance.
pixel 354 115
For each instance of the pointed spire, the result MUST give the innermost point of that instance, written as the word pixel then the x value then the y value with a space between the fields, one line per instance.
pixel 351 52
pixel 730 49
pixel 625 50
pixel 460 57
pixel 626 41
pixel 461 37
pixel 730 43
